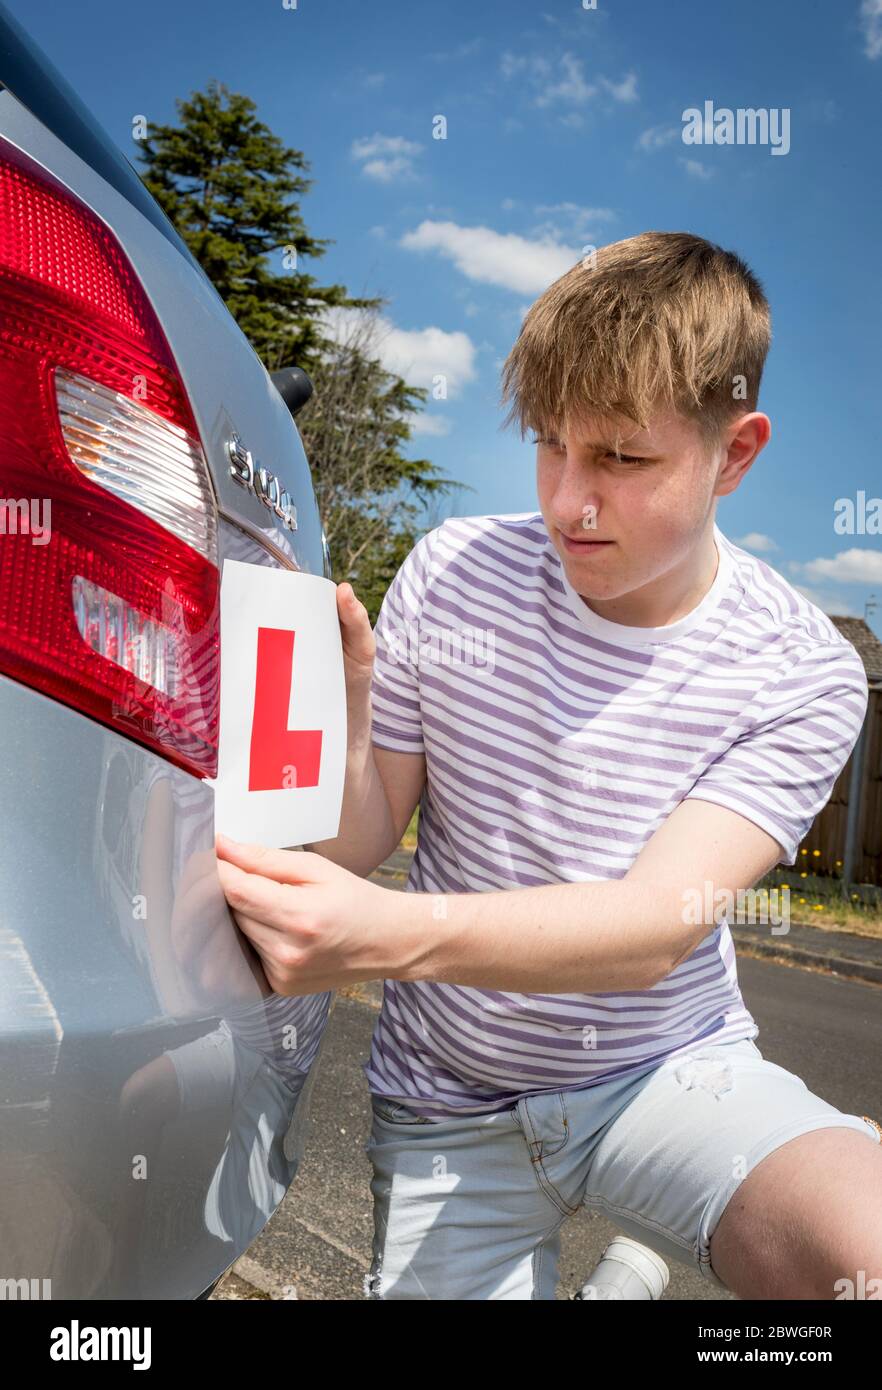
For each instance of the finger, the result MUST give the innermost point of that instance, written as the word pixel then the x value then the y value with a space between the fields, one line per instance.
pixel 264 943
pixel 283 865
pixel 256 896
pixel 262 938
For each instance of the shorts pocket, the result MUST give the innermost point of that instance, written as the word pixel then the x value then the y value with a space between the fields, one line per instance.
pixel 395 1113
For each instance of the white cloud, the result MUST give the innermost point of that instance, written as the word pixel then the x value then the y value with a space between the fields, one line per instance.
pixel 756 541
pixel 563 220
pixel 389 157
pixel 570 87
pixel 626 90
pixel 853 566
pixel 578 30
pixel 577 211
pixel 658 136
pixel 510 65
pixel 383 144
pixel 827 603
pixel 494 258
pixel 564 82
pixel 696 170
pixel 374 79
pixel 435 425
pixel 388 170
pixel 871 24
pixel 463 50
pixel 418 355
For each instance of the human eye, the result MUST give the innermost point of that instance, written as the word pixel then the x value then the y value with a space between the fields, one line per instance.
pixel 547 442
pixel 629 459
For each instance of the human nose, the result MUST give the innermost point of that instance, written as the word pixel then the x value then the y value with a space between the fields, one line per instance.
pixel 576 496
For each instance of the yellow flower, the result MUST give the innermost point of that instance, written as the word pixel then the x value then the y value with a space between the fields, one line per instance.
pixel 802 900
pixel 803 851
pixel 817 907
pixel 816 853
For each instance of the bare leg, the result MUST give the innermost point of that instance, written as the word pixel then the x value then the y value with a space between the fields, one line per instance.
pixel 808 1215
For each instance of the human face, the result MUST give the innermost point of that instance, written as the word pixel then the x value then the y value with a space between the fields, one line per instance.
pixel 634 531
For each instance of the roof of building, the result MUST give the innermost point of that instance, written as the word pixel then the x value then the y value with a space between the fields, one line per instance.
pixel 865 641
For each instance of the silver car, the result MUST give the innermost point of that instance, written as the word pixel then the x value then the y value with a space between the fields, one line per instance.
pixel 153 1091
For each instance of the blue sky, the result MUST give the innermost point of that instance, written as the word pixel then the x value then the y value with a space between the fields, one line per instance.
pixel 564 129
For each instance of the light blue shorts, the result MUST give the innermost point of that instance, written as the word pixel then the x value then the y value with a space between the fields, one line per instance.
pixel 470 1207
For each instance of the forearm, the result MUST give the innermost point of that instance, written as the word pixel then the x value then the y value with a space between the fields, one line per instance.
pixel 581 938
pixel 367 832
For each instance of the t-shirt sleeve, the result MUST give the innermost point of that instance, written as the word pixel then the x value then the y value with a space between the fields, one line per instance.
pixel 781 772
pixel 395 687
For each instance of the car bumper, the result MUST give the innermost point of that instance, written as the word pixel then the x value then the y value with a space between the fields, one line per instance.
pixel 154 1094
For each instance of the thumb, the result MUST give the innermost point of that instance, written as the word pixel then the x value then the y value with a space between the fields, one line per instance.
pixel 355 627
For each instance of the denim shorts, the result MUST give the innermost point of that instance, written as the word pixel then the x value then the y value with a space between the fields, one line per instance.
pixel 470 1207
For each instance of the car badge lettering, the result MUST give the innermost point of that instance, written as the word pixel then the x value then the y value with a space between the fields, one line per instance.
pixel 265 486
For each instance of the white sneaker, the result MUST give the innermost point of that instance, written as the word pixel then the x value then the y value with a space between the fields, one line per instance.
pixel 627 1270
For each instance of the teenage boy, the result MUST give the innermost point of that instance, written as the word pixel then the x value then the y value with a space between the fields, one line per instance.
pixel 613 719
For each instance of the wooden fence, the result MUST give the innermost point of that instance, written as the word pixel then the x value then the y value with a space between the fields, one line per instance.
pixel 828 833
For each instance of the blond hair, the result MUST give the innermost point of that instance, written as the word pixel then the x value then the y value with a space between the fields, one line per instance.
pixel 659 320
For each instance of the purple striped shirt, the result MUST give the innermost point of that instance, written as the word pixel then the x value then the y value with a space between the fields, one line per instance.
pixel 556 743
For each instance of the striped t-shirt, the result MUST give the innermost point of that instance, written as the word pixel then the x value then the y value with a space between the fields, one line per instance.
pixel 556 743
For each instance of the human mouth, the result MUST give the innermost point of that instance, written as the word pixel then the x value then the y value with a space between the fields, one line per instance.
pixel 580 547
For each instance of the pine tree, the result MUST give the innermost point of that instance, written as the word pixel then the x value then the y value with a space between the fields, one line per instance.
pixel 372 500
pixel 225 181
pixel 229 186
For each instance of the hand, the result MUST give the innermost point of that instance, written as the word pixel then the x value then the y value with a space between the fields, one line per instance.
pixel 314 925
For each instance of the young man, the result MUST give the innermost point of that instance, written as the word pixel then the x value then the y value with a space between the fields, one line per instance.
pixel 609 714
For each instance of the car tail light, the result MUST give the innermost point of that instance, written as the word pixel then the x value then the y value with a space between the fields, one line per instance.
pixel 109 581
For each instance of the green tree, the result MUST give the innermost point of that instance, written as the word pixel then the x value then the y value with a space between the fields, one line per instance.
pixel 231 189
pixel 226 182
pixel 374 502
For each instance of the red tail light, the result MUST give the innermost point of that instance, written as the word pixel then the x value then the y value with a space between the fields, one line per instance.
pixel 109 582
